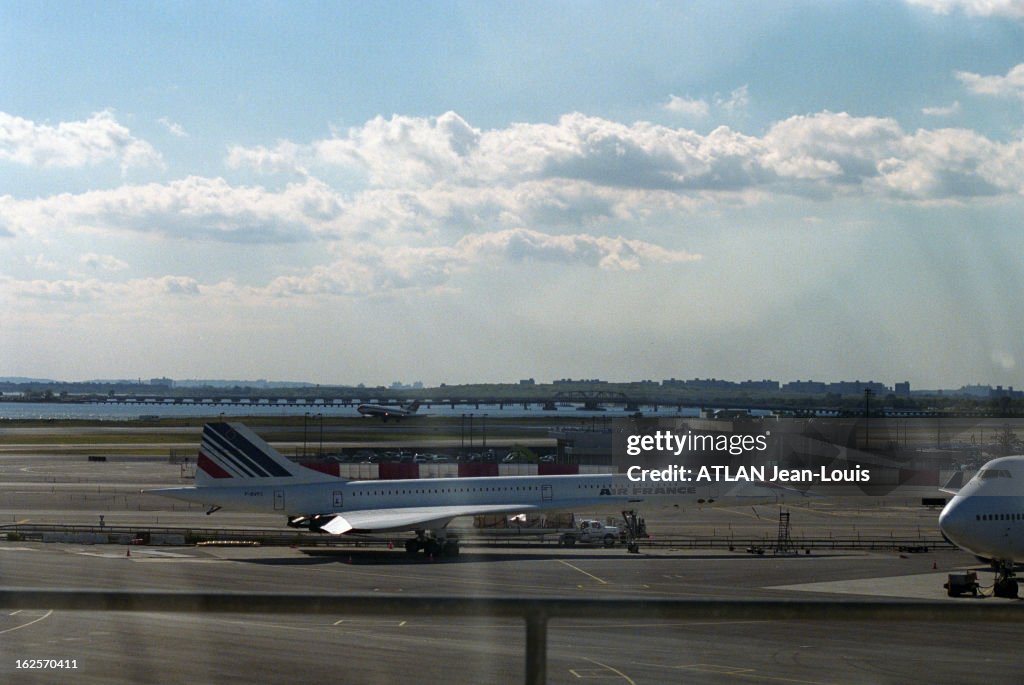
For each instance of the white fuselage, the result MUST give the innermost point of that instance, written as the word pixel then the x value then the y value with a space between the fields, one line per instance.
pixel 539 492
pixel 384 411
pixel 986 517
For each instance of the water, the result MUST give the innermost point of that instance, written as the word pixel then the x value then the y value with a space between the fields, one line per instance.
pixel 125 412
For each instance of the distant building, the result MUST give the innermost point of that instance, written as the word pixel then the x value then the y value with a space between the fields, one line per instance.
pixel 975 390
pixel 1008 393
pixel 162 382
pixel 903 389
pixel 527 381
pixel 857 388
pixel 838 388
pixel 710 384
pixel 806 387
pixel 764 385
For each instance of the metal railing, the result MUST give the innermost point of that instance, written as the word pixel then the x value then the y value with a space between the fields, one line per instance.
pixel 536 612
pixel 35 531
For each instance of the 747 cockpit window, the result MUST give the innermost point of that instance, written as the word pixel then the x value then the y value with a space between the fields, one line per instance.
pixel 994 473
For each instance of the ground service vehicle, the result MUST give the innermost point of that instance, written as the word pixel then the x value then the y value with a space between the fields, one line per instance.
pixel 592 532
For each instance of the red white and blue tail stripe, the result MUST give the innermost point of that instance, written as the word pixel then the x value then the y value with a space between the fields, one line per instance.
pixel 232 454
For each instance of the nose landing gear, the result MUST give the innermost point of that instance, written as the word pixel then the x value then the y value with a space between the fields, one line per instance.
pixel 1006 582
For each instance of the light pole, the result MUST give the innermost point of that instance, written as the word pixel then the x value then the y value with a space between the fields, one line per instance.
pixel 305 420
pixel 867 418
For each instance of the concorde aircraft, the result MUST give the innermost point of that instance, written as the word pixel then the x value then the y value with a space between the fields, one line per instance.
pixel 385 412
pixel 986 518
pixel 236 469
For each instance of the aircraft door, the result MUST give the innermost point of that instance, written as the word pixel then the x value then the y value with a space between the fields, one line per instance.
pixel 278 500
pixel 339 500
pixel 545 493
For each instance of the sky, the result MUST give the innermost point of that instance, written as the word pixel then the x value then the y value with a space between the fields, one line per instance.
pixel 348 192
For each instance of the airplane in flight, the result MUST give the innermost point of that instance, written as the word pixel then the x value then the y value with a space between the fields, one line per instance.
pixel 237 469
pixel 386 412
pixel 986 518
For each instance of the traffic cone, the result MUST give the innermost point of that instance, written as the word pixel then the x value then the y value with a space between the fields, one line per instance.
pixel 934 566
pixel 391 545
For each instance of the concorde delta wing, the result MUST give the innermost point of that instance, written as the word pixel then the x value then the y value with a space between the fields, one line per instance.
pixel 409 518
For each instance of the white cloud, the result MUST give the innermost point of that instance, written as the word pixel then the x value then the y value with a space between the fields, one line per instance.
pixel 946 111
pixel 603 252
pixel 104 262
pixel 1013 9
pixel 190 208
pixel 438 179
pixel 173 128
pixel 697 109
pixel 57 290
pixel 946 163
pixel 404 150
pixel 837 152
pixel 41 262
pixel 364 270
pixel 135 293
pixel 738 99
pixel 507 175
pixel 286 157
pixel 1011 85
pixel 73 144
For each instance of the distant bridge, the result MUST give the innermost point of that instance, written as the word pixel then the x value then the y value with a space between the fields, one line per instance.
pixel 591 400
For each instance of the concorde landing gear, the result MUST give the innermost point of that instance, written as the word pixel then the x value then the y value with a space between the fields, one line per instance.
pixel 1006 583
pixel 634 527
pixel 433 543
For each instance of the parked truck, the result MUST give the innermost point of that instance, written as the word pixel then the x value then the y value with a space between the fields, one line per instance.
pixel 591 532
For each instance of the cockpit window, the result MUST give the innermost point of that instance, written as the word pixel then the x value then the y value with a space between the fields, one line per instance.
pixel 985 474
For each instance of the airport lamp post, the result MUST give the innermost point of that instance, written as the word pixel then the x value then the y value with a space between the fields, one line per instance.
pixel 867 418
pixel 305 420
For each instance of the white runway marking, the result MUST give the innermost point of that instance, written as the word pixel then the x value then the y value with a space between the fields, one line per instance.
pixel 26 625
pixel 577 568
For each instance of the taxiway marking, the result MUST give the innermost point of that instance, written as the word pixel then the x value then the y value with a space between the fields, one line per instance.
pixel 577 568
pixel 26 625
pixel 613 670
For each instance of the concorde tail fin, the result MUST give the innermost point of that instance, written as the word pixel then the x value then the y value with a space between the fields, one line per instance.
pixel 231 454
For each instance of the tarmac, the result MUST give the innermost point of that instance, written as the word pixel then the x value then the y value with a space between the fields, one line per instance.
pixel 128 647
